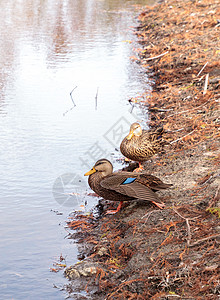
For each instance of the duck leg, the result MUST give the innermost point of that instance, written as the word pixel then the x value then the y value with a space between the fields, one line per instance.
pixel 139 169
pixel 160 205
pixel 115 211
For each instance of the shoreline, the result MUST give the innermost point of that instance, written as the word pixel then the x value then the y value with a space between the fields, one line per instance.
pixel 143 252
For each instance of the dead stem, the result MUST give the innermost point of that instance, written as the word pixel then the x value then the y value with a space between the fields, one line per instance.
pixel 179 139
pixel 204 239
pixel 151 58
pixel 96 98
pixel 202 69
pixel 187 225
pixel 74 105
pixel 72 96
pixel 189 110
pixel 148 215
pixel 206 84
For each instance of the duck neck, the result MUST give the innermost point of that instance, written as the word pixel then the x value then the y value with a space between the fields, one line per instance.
pixel 94 180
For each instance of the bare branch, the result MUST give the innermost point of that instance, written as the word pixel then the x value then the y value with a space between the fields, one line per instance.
pixel 182 137
pixel 213 201
pixel 187 226
pixel 188 232
pixel 202 69
pixel 71 95
pixel 151 58
pixel 72 101
pixel 206 84
pixel 160 109
pixel 184 111
pixel 205 239
pixel 148 214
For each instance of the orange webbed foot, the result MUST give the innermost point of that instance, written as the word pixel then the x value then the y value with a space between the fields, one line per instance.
pixel 139 169
pixel 111 212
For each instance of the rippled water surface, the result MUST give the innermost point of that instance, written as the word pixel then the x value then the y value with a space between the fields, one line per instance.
pixel 48 49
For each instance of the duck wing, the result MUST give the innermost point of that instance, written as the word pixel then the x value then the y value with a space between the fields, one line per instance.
pixel 128 184
pixel 153 182
pixel 143 178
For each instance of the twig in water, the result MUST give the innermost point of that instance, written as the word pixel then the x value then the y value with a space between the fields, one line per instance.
pixel 132 109
pixel 96 98
pixel 72 101
pixel 151 58
pixel 71 95
pixel 202 69
pixel 206 84
pixel 68 110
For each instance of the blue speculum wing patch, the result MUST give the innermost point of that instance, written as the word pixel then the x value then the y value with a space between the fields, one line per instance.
pixel 129 180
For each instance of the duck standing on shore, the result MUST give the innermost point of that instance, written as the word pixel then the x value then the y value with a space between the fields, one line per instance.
pixel 124 186
pixel 140 145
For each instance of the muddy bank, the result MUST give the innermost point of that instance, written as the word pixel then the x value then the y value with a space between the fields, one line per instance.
pixel 143 252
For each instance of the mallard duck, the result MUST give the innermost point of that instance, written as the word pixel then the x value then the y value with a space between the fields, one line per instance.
pixel 124 186
pixel 140 145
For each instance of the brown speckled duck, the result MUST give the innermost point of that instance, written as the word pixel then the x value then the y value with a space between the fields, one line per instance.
pixel 124 186
pixel 140 145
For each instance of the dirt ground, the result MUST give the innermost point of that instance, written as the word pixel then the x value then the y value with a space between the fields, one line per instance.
pixel 143 252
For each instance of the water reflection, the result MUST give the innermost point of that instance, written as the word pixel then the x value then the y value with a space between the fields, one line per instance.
pixel 46 49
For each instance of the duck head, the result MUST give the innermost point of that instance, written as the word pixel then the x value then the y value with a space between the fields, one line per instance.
pixel 135 130
pixel 103 166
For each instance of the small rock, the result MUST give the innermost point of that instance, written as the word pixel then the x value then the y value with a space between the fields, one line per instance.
pixel 71 273
pixel 102 251
pixel 84 268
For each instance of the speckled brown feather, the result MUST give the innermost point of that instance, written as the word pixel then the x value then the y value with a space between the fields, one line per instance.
pixel 143 147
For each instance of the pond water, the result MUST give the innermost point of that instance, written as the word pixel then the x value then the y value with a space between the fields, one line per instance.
pixel 65 82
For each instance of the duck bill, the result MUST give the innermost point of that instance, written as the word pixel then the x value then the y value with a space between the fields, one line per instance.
pixel 129 137
pixel 93 170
